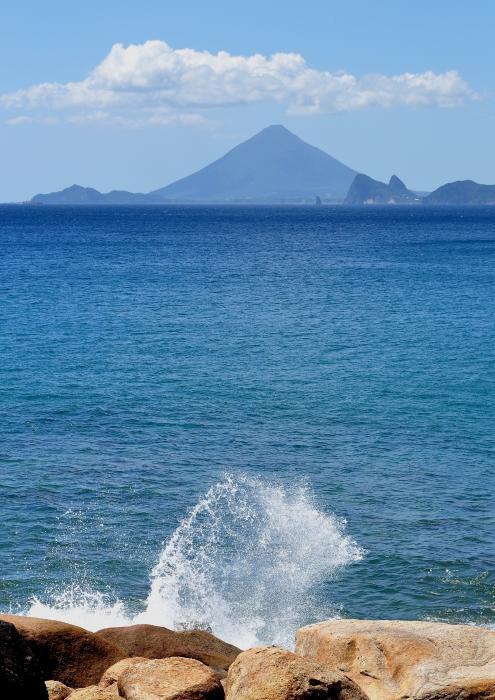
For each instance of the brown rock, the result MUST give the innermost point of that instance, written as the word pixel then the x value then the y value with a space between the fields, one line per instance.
pixel 170 679
pixel 159 643
pixel 113 673
pixel 269 673
pixel 57 690
pixel 66 653
pixel 20 672
pixel 392 660
pixel 95 692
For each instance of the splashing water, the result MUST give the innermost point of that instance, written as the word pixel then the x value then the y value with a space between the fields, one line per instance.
pixel 245 563
pixel 82 606
pixel 245 560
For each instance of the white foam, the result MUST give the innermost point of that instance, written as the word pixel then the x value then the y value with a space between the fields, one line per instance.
pixel 81 606
pixel 246 563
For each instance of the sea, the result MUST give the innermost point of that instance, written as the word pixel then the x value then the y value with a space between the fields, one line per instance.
pixel 247 419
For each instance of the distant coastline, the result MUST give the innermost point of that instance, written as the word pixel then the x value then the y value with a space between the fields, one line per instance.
pixel 463 193
pixel 277 167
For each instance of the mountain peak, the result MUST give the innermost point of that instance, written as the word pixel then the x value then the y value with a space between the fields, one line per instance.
pixel 274 134
pixel 276 129
pixel 396 185
pixel 274 165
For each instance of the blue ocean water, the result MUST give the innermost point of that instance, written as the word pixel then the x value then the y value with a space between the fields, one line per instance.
pixel 299 366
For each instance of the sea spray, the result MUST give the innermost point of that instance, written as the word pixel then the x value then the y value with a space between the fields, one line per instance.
pixel 246 563
pixel 80 605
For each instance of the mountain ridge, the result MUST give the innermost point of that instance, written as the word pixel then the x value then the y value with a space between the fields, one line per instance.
pixel 366 190
pixel 76 194
pixel 462 192
pixel 273 166
pixel 277 167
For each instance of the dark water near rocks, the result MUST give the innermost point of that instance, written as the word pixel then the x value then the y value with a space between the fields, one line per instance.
pixel 305 364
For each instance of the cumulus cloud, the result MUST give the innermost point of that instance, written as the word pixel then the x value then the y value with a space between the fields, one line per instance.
pixel 143 117
pixel 154 81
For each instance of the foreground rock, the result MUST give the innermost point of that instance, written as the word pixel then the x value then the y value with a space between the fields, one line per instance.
pixel 112 674
pixel 20 672
pixel 95 692
pixel 66 653
pixel 159 643
pixel 269 673
pixel 57 690
pixel 170 679
pixel 392 660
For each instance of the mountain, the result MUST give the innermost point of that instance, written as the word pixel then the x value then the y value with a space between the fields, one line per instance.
pixel 462 192
pixel 71 195
pixel 272 166
pixel 87 195
pixel 276 167
pixel 365 190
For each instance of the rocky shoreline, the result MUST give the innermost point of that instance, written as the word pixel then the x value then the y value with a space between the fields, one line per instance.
pixel 334 660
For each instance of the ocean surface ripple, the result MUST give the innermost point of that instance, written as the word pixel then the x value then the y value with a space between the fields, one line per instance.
pixel 247 418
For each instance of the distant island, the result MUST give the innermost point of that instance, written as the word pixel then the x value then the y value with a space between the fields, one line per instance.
pixel 75 194
pixel 277 167
pixel 365 190
pixel 462 192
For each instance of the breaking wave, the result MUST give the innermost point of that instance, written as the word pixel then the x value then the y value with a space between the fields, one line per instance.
pixel 246 563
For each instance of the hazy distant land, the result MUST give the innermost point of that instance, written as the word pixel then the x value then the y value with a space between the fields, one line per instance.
pixel 277 167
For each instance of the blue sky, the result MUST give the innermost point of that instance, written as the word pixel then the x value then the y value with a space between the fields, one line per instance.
pixel 385 87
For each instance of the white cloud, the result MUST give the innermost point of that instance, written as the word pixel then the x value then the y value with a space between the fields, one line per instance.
pixel 21 119
pixel 143 117
pixel 30 119
pixel 139 83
